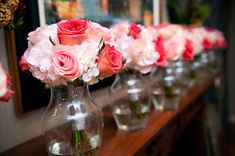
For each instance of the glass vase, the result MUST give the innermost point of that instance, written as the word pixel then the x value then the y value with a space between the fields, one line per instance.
pixel 157 88
pixel 72 124
pixel 131 103
pixel 172 88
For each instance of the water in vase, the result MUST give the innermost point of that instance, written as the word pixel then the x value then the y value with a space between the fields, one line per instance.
pixel 64 148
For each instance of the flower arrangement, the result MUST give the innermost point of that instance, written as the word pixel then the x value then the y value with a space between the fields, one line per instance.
pixel 5 83
pixel 71 50
pixel 177 42
pixel 182 42
pixel 136 44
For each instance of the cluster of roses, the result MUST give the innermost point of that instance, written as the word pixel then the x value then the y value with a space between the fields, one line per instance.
pixel 5 83
pixel 71 50
pixel 84 50
pixel 156 45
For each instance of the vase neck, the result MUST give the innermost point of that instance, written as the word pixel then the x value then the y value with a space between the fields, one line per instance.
pixel 69 91
pixel 130 75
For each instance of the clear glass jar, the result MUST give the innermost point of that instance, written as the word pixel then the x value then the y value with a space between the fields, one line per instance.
pixel 72 124
pixel 131 101
pixel 182 73
pixel 172 88
pixel 157 89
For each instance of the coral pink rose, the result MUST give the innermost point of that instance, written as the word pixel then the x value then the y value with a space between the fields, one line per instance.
pixel 5 92
pixel 65 62
pixel 159 47
pixel 134 31
pixel 188 52
pixel 110 61
pixel 72 32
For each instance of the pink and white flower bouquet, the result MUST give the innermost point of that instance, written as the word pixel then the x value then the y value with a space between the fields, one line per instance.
pixel 176 42
pixel 5 83
pixel 71 50
pixel 206 39
pixel 136 44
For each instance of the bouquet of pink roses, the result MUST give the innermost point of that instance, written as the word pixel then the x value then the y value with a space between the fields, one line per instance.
pixel 177 42
pixel 136 44
pixel 5 83
pixel 71 50
pixel 206 39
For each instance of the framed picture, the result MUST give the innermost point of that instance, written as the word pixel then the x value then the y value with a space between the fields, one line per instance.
pixel 30 93
pixel 106 12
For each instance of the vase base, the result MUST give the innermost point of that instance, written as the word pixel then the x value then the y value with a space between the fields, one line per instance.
pixel 62 148
pixel 128 121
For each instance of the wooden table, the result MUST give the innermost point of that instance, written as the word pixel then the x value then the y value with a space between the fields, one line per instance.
pixel 167 132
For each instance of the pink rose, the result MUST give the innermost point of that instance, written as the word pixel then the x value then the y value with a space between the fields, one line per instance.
pixel 159 47
pixel 110 61
pixel 23 63
pixel 72 32
pixel 221 43
pixel 134 31
pixel 5 92
pixel 207 44
pixel 188 52
pixel 120 30
pixel 96 32
pixel 65 62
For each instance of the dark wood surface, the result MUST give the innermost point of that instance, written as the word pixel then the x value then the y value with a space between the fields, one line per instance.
pixel 162 130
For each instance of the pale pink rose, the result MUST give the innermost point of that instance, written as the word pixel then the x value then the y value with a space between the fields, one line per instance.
pixel 72 32
pixel 65 62
pixel 120 30
pixel 168 30
pixel 5 92
pixel 174 47
pixel 110 61
pixel 197 35
pixel 97 32
pixel 141 55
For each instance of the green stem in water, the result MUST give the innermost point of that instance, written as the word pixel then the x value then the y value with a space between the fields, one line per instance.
pixel 170 92
pixel 136 109
pixel 81 143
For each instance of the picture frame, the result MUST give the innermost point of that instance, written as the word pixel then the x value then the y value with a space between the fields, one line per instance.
pixel 30 93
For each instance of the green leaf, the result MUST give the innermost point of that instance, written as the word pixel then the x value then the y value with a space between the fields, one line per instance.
pixel 102 47
pixel 124 62
pixel 52 42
